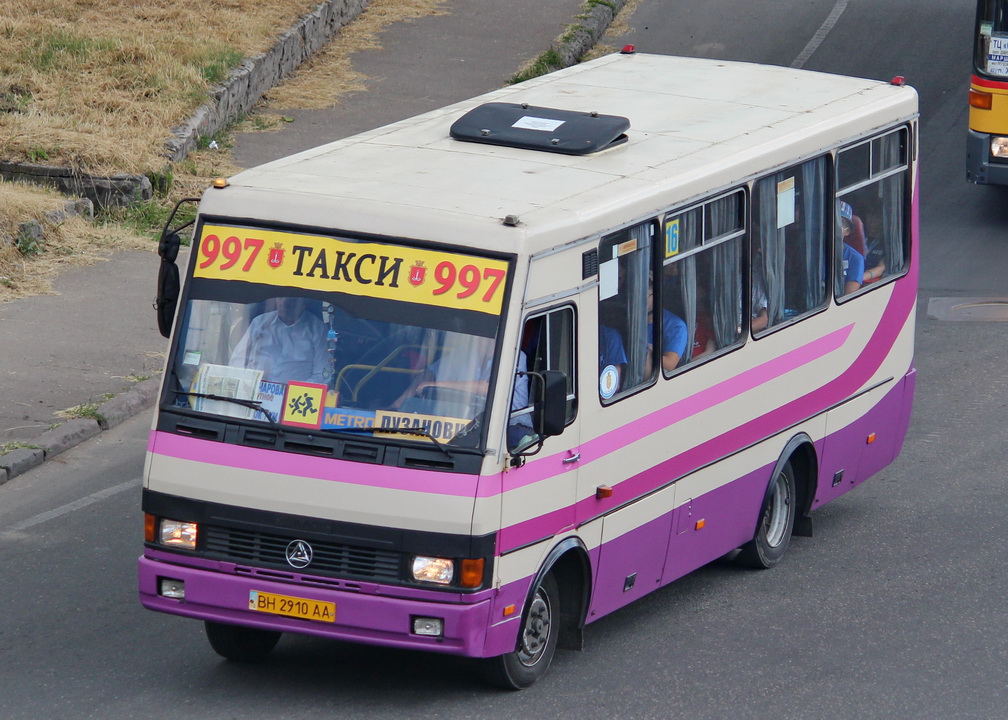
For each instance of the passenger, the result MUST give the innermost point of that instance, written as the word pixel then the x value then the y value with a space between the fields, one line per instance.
pixel 286 344
pixel 853 261
pixel 463 366
pixel 611 351
pixel 703 335
pixel 673 335
pixel 760 316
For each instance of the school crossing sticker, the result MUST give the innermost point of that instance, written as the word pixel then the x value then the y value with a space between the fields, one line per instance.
pixel 377 270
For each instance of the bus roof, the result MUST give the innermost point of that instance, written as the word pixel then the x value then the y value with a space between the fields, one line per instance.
pixel 695 125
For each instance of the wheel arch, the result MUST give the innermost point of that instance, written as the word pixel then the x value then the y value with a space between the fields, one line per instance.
pixel 571 568
pixel 800 452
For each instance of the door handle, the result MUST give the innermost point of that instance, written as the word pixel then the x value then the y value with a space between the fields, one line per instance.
pixel 572 459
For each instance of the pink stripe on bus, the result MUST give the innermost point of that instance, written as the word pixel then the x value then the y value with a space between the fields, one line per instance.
pixel 687 407
pixel 354 473
pixel 894 318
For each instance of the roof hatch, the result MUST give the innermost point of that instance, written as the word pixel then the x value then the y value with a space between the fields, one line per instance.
pixel 539 128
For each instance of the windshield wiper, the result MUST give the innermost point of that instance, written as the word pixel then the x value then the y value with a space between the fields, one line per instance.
pixel 253 404
pixel 404 431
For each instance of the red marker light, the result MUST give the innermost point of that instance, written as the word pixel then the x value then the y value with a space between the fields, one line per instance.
pixel 628 50
pixel 898 80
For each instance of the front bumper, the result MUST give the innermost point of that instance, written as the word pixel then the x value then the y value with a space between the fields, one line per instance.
pixel 979 167
pixel 364 612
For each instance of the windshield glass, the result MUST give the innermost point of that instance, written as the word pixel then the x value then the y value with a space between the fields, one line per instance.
pixel 334 334
pixel 992 38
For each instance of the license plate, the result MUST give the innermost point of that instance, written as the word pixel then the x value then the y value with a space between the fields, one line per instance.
pixel 292 606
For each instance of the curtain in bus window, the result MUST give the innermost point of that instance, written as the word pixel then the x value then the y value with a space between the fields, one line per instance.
pixel 891 190
pixel 769 253
pixel 638 275
pixel 815 271
pixel 679 278
pixel 726 292
pixel 725 282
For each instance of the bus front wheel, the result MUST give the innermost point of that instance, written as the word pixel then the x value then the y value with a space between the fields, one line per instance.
pixel 537 641
pixel 241 644
pixel 773 533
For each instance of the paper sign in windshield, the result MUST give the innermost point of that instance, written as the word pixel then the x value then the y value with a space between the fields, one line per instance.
pixel 997 56
pixel 441 429
pixel 390 272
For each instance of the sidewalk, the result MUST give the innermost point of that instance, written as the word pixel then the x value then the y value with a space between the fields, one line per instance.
pixel 96 342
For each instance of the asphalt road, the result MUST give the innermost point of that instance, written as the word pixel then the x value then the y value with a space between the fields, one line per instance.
pixel 896 608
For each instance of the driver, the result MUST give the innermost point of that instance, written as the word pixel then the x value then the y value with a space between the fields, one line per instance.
pixel 286 344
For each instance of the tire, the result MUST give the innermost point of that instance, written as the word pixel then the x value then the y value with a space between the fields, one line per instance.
pixel 241 644
pixel 773 533
pixel 537 641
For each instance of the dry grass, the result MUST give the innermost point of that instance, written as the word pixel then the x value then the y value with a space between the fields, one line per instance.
pixel 98 85
pixel 71 243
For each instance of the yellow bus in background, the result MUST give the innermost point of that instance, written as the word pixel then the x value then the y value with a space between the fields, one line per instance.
pixel 987 150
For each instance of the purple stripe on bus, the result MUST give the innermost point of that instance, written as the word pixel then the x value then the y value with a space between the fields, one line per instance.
pixel 893 320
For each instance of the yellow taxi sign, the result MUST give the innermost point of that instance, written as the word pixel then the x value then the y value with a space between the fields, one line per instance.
pixel 384 271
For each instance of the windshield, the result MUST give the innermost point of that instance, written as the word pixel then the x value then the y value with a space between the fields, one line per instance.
pixel 339 335
pixel 992 38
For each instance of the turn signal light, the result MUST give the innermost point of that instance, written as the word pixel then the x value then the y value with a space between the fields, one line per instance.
pixel 980 100
pixel 472 573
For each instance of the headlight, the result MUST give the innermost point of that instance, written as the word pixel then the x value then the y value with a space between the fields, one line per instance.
pixel 433 570
pixel 999 147
pixel 175 533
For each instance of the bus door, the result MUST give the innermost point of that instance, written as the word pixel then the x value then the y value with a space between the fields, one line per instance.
pixel 540 493
pixel 633 525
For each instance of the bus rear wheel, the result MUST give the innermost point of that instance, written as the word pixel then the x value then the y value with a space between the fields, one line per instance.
pixel 773 533
pixel 241 644
pixel 537 642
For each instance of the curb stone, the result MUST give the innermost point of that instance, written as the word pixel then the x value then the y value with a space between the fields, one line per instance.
pixel 115 411
pixel 587 29
pixel 20 461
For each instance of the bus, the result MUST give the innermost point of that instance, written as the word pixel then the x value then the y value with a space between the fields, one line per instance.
pixel 987 146
pixel 416 396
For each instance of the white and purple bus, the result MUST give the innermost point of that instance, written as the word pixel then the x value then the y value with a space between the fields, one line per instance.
pixel 415 396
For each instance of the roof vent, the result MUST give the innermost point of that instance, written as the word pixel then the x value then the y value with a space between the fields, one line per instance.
pixel 538 128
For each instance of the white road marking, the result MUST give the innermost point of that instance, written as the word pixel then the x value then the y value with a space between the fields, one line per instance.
pixel 821 34
pixel 70 507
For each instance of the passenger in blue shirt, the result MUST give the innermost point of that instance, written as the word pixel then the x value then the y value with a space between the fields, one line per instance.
pixel 673 338
pixel 611 350
pixel 853 261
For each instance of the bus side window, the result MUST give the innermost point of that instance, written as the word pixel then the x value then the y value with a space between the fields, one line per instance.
pixel 871 224
pixel 791 233
pixel 547 343
pixel 627 342
pixel 702 275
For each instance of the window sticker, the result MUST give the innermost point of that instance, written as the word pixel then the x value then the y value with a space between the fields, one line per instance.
pixel 442 429
pixel 608 279
pixel 528 122
pixel 672 238
pixel 339 418
pixel 302 406
pixel 191 357
pixel 608 381
pixel 271 396
pixel 785 202
pixel 997 55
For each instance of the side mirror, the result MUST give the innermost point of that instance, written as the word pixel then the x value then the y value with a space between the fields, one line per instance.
pixel 550 415
pixel 168 284
pixel 168 287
